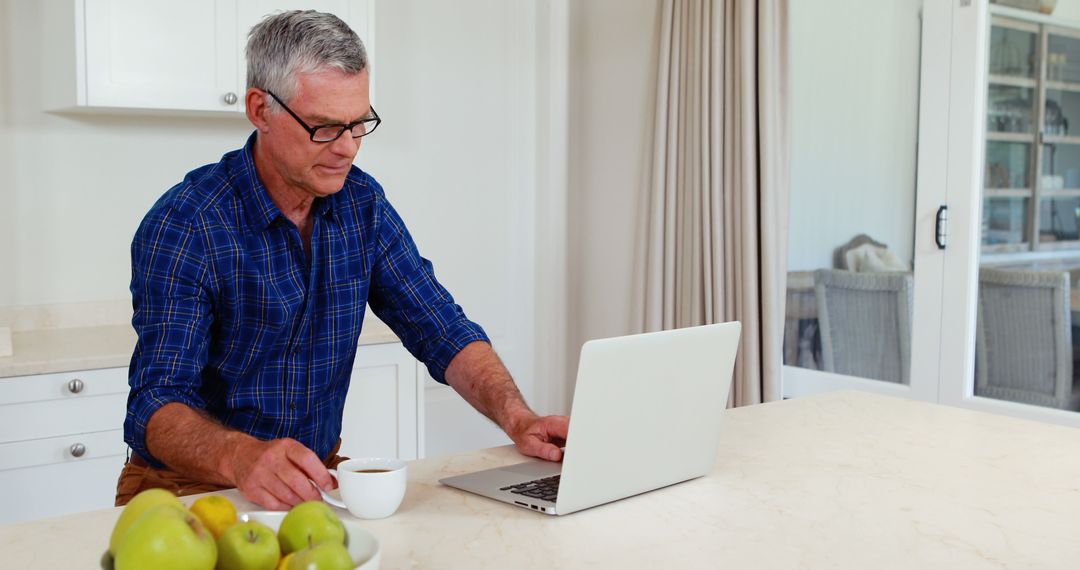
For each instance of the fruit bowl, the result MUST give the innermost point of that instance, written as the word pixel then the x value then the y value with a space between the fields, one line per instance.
pixel 363 546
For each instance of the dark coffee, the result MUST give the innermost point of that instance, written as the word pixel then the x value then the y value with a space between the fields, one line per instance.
pixel 372 470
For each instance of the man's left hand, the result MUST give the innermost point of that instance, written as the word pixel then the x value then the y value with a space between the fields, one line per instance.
pixel 542 437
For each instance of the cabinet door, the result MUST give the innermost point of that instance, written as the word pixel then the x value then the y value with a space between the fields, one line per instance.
pixel 61 488
pixel 451 425
pixel 356 13
pixel 156 54
pixel 51 405
pixel 382 408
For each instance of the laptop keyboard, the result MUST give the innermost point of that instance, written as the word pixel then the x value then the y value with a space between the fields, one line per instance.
pixel 546 489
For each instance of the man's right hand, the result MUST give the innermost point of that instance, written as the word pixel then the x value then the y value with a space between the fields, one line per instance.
pixel 277 474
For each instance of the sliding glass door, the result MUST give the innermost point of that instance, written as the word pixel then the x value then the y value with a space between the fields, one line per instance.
pixel 863 289
pixel 1017 322
pixel 934 245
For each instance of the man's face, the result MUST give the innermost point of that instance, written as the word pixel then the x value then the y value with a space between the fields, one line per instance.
pixel 325 97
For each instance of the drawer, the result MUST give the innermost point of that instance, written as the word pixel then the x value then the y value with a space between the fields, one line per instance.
pixel 43 419
pixel 42 387
pixel 59 489
pixel 58 450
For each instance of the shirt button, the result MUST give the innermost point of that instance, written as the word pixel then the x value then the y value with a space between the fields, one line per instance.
pixel 292 405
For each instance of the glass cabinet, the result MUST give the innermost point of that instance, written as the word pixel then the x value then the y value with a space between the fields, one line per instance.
pixel 1031 197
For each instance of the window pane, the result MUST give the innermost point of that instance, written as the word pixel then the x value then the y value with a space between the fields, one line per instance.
pixel 1011 109
pixel 1012 52
pixel 1062 113
pixel 1059 219
pixel 855 116
pixel 1024 324
pixel 1063 58
pixel 1004 220
pixel 1008 164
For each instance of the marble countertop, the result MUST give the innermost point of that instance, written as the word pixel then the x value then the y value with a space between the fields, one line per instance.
pixel 109 346
pixel 841 480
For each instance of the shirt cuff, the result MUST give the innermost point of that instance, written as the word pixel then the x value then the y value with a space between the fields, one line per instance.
pixel 141 407
pixel 447 346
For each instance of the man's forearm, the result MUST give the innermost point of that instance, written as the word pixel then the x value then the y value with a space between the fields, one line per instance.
pixel 192 443
pixel 480 377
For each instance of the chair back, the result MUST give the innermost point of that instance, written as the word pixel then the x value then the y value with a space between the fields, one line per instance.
pixel 1023 350
pixel 865 321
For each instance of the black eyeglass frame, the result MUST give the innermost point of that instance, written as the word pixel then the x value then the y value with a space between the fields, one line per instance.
pixel 311 130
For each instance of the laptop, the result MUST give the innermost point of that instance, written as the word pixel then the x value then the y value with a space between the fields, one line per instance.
pixel 646 414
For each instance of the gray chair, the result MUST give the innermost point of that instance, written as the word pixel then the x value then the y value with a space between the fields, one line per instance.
pixel 865 321
pixel 800 320
pixel 1023 338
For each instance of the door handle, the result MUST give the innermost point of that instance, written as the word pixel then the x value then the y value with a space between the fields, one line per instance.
pixel 941 226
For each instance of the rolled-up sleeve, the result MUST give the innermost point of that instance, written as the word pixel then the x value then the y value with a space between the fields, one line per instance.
pixel 408 298
pixel 171 318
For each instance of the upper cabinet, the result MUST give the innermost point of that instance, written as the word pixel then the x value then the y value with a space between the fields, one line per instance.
pixel 188 56
pixel 1031 193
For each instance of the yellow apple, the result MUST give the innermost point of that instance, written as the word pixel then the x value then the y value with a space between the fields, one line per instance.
pixel 135 508
pixel 217 513
pixel 167 538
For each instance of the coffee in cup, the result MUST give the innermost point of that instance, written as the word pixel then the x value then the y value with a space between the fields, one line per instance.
pixel 370 487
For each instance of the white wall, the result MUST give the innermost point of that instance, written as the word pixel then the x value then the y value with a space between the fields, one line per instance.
pixel 1068 10
pixel 8 231
pixel 854 89
pixel 76 186
pixel 455 85
pixel 454 82
pixel 613 54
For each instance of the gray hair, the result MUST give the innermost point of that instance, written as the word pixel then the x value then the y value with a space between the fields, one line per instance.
pixel 285 45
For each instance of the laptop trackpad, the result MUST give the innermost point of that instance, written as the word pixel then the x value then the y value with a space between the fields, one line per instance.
pixel 534 468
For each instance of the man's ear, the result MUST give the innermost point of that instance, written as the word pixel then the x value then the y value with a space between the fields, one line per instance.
pixel 256 107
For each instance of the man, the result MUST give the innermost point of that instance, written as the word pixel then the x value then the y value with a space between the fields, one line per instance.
pixel 249 284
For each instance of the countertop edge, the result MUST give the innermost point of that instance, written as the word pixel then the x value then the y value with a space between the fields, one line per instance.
pixel 109 346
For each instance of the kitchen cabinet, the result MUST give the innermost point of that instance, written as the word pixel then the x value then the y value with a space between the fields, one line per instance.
pixel 1031 194
pixel 62 438
pixel 61 442
pixel 384 407
pixel 187 56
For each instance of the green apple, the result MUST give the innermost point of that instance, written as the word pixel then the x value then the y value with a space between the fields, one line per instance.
pixel 248 546
pixel 167 538
pixel 307 524
pixel 322 556
pixel 135 508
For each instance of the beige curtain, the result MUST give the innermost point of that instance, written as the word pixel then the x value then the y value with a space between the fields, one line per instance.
pixel 716 212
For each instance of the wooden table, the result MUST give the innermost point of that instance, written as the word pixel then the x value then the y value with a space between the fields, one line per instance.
pixel 841 480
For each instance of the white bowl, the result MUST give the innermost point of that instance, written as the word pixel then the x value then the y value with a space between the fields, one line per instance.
pixel 363 546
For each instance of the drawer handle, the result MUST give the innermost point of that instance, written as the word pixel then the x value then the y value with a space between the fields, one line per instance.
pixel 75 386
pixel 78 450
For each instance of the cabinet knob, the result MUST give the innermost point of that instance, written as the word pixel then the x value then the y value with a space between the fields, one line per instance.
pixel 75 386
pixel 230 98
pixel 77 450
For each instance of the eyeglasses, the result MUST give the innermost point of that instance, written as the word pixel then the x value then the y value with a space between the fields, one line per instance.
pixel 330 133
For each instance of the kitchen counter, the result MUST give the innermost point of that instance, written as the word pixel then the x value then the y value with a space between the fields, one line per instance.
pixel 109 346
pixel 841 480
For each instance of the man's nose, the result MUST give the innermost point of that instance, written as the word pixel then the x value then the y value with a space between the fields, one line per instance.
pixel 345 145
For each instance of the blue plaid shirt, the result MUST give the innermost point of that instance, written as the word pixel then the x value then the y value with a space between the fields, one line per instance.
pixel 233 319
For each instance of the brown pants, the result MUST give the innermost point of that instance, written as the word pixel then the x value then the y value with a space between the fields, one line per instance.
pixel 137 476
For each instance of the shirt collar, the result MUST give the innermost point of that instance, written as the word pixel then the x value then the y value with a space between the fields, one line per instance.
pixel 260 209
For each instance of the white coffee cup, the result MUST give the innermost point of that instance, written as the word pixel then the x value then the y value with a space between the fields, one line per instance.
pixel 370 487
